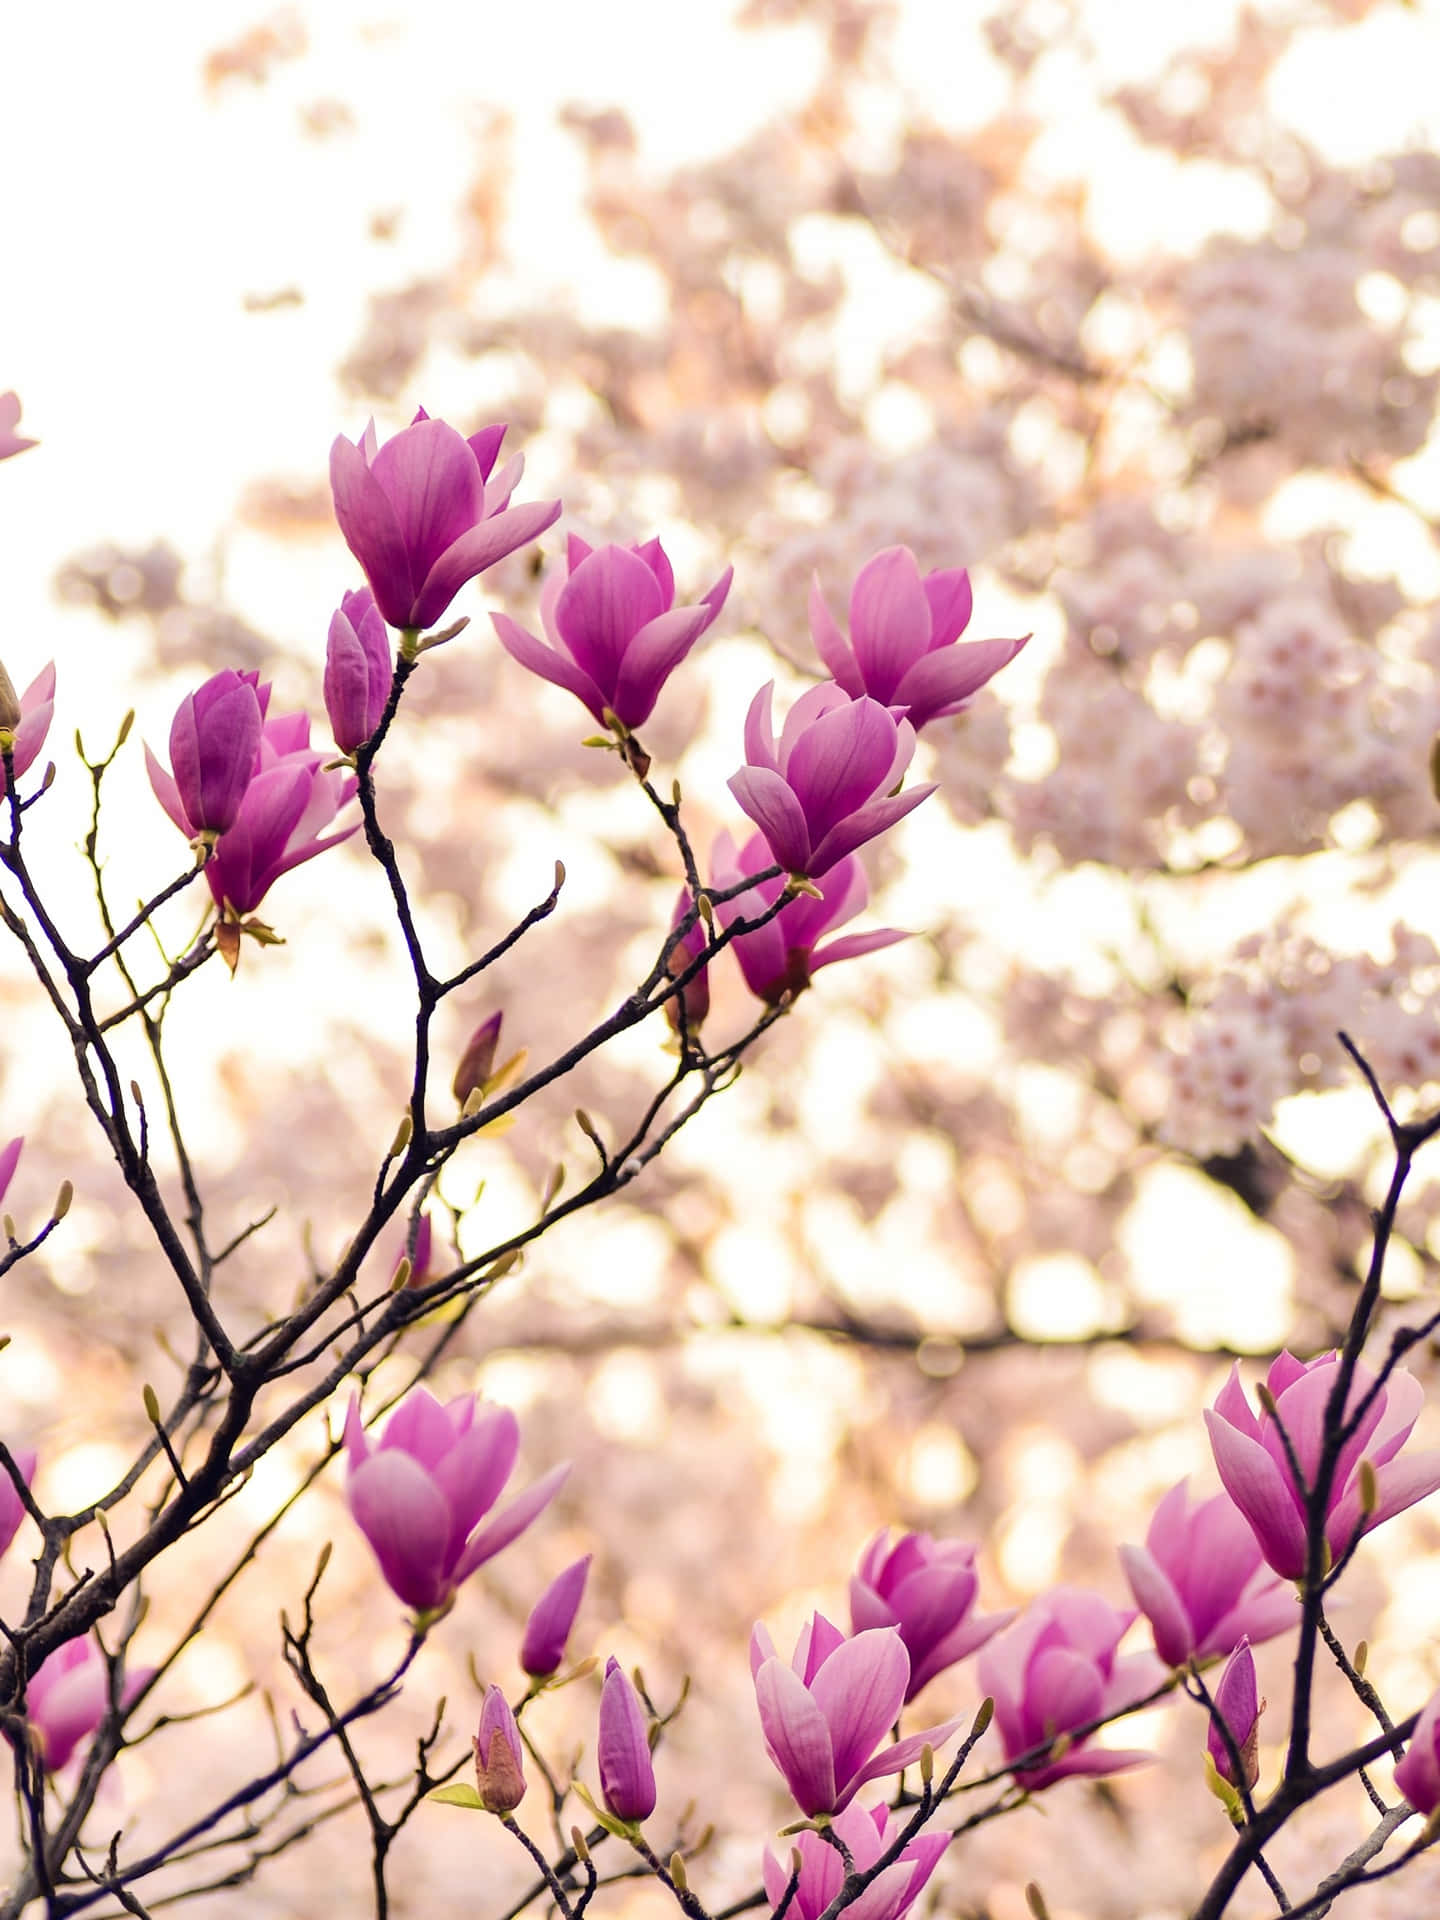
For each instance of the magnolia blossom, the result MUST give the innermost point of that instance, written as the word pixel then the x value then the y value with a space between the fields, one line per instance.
pixel 926 1589
pixel 551 1618
pixel 615 632
pixel 867 1832
pixel 827 784
pixel 69 1698
pixel 1252 1460
pixel 904 648
pixel 291 797
pixel 1056 1670
pixel 423 515
pixel 1239 1706
pixel 785 954
pixel 499 1756
pixel 36 710
pixel 214 750
pixel 825 1713
pixel 420 1495
pixel 358 670
pixel 1418 1774
pixel 1201 1581
pixel 627 1773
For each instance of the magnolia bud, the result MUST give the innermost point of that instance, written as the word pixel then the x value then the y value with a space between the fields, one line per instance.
pixel 9 702
pixel 477 1062
pixel 499 1756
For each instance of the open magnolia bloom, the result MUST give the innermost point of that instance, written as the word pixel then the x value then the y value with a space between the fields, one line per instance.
pixel 1252 1461
pixel 825 1713
pixel 420 1495
pixel 426 512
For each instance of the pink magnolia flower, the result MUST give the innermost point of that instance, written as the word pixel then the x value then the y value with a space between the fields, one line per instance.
pixel 867 1832
pixel 423 515
pixel 1201 1581
pixel 615 632
pixel 1055 1670
pixel 11 442
pixel 214 749
pixel 1238 1703
pixel 419 1497
pixel 9 1160
pixel 926 1589
pixel 37 709
pixel 552 1617
pixel 826 786
pixel 1251 1459
pixel 12 1509
pixel 69 1698
pixel 291 797
pixel 824 1714
pixel 358 670
pixel 627 1773
pixel 905 649
pixel 1418 1774
pixel 785 954
pixel 499 1756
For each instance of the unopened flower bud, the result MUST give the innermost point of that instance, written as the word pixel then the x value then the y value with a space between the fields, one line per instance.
pixel 1238 1706
pixel 499 1756
pixel 477 1062
pixel 548 1627
pixel 627 1774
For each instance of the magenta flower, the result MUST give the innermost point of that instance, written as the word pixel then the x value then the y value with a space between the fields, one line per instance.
pixel 616 634
pixel 499 1756
pixel 867 1832
pixel 69 1698
pixel 1418 1774
pixel 1056 1670
pixel 1252 1463
pixel 1201 1581
pixel 12 1508
pixel 419 1497
pixel 926 1589
pixel 9 1160
pixel 291 797
pixel 824 1714
pixel 905 649
pixel 826 786
pixel 1238 1704
pixel 214 750
pixel 627 1773
pixel 37 709
pixel 358 670
pixel 553 1615
pixel 11 442
pixel 423 515
pixel 784 955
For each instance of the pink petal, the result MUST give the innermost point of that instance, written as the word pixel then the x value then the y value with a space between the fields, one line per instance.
pixel 511 1521
pixel 609 597
pixel 860 1690
pixel 1161 1605
pixel 431 478
pixel 889 621
pixel 775 810
pixel 481 547
pixel 1262 1493
pixel 831 644
pixel 406 1519
pixel 551 665
pixel 651 657
pixel 372 531
pixel 951 602
pixel 797 1736
pixel 862 825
